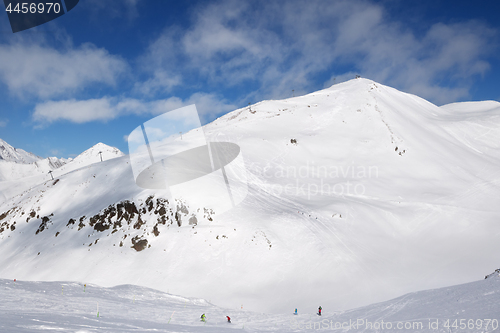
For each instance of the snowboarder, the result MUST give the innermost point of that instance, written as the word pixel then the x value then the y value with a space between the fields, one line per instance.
pixel 319 310
pixel 228 319
pixel 295 310
pixel 203 317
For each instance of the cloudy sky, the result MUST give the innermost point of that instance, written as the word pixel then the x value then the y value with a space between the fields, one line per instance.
pixel 96 73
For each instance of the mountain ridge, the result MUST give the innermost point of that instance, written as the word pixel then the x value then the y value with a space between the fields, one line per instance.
pixel 11 154
pixel 16 177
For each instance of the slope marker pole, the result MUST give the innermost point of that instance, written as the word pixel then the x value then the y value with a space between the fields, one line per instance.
pixel 171 317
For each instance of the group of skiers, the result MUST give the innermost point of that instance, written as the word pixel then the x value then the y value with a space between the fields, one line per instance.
pixel 204 318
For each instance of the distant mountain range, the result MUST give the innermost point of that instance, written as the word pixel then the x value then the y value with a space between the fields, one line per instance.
pixel 27 169
pixel 11 154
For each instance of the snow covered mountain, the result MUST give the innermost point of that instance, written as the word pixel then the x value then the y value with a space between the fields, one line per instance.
pixel 17 163
pixel 357 193
pixel 11 154
pixel 73 307
pixel 94 155
pixel 15 177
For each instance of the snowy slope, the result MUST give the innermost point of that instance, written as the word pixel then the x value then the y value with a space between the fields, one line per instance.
pixel 476 125
pixel 357 193
pixel 65 306
pixel 11 170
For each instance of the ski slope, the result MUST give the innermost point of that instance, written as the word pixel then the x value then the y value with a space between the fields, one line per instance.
pixel 71 307
pixel 358 193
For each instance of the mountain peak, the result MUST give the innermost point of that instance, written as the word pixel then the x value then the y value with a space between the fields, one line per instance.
pixel 354 82
pixel 11 154
pixel 94 153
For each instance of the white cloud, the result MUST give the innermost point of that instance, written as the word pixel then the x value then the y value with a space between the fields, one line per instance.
pixel 3 123
pixel 275 47
pixel 209 105
pixel 75 111
pixel 160 82
pixel 45 72
pixel 158 61
pixel 106 108
pixel 455 53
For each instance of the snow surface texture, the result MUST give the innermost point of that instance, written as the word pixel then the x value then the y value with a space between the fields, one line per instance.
pixel 357 194
pixel 72 307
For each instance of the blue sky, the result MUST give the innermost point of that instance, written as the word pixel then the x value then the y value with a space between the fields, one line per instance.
pixel 98 72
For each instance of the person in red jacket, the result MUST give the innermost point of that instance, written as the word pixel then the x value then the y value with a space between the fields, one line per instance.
pixel 319 310
pixel 228 319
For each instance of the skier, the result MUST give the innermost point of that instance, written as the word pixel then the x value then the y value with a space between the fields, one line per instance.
pixel 228 319
pixel 203 317
pixel 295 310
pixel 319 310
